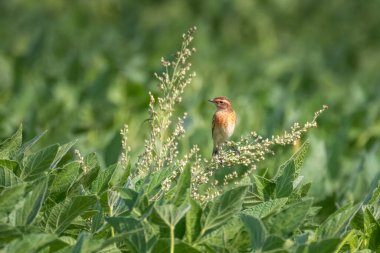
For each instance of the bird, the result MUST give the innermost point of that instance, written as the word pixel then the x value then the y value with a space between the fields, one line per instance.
pixel 223 122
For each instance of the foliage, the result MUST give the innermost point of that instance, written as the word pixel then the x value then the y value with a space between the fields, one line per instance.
pixel 50 203
pixel 82 69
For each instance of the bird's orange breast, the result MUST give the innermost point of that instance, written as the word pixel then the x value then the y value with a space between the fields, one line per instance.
pixel 224 123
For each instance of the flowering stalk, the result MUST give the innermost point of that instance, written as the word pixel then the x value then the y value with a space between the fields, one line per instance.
pixel 161 147
pixel 160 158
pixel 247 152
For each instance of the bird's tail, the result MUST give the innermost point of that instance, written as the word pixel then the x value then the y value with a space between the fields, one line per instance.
pixel 215 151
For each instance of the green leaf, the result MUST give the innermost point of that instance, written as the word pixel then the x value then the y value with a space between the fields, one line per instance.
pixel 289 218
pixel 98 219
pixel 193 221
pixel 64 178
pixel 61 153
pixel 251 199
pixel 273 242
pixel 256 230
pixel 30 243
pixel 102 181
pixel 357 221
pixel 9 197
pixel 8 233
pixel 29 144
pixel 231 235
pixel 32 203
pixel 303 189
pixel 153 184
pixel 278 251
pixel 337 223
pixel 109 245
pixel 8 178
pixel 62 214
pixel 171 214
pixel 9 147
pixel 324 246
pixel 120 175
pixel 289 171
pixel 300 156
pixel 109 249
pixel 130 198
pixel 264 187
pixel 91 160
pixel 296 160
pixel 372 230
pixel 266 208
pixel 37 163
pixel 136 237
pixel 221 209
pixel 163 246
pixel 284 183
pixel 85 179
pixel 183 187
pixel 9 164
pixel 85 244
pixel 375 193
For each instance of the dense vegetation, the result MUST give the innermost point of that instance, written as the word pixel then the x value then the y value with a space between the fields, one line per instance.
pixel 83 70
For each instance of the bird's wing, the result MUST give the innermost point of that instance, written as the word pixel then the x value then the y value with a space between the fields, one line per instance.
pixel 213 125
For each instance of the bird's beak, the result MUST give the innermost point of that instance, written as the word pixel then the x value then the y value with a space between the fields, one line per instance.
pixel 211 100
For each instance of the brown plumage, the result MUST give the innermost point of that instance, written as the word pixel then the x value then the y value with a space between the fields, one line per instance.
pixel 223 122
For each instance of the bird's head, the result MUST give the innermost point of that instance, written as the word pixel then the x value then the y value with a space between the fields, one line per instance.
pixel 222 103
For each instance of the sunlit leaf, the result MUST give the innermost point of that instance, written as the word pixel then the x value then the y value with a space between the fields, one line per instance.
pixel 193 221
pixel 85 243
pixel 264 187
pixel 273 242
pixel 9 164
pixel 218 211
pixel 284 183
pixel 8 178
pixel 102 181
pixel 64 178
pixel 120 175
pixel 9 147
pixel 266 208
pixel 296 160
pixel 135 238
pixel 8 233
pixel 183 186
pixel 9 197
pixel 29 144
pixel 290 217
pixel 63 149
pixel 171 214
pixel 39 162
pixel 61 215
pixel 30 243
pixel 163 246
pixel 256 230
pixel 372 230
pixel 32 203
pixel 337 223
pixel 324 246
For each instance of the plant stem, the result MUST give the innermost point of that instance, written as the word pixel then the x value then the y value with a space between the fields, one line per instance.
pixel 171 239
pixel 348 236
pixel 112 229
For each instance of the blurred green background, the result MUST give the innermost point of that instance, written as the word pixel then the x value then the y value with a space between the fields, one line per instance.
pixel 81 69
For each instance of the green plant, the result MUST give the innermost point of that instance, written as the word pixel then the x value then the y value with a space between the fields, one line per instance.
pixel 172 203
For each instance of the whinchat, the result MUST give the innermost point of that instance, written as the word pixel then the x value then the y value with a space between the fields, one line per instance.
pixel 223 122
